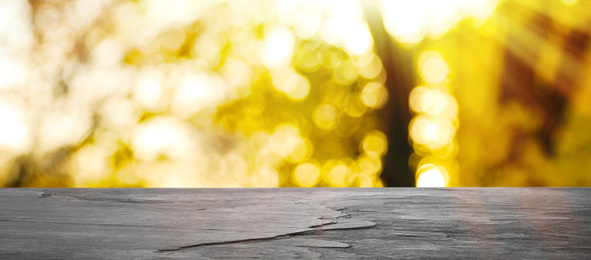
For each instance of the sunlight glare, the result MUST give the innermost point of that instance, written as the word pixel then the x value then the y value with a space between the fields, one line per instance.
pixel 195 92
pixel 431 178
pixel 162 136
pixel 410 21
pixel 433 132
pixel 148 89
pixel 433 67
pixel 14 132
pixel 294 85
pixel 307 174
pixel 278 47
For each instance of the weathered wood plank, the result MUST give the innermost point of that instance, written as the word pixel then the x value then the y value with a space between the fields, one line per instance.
pixel 289 223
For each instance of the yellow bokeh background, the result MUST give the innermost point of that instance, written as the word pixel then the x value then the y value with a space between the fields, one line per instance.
pixel 262 93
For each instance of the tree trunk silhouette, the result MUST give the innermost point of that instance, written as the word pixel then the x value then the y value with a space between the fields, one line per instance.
pixel 395 116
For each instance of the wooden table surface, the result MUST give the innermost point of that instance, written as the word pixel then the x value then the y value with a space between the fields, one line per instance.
pixel 548 223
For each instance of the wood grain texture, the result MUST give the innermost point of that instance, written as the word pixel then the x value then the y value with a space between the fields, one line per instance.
pixel 546 223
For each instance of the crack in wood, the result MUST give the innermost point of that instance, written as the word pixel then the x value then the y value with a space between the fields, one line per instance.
pixel 323 224
pixel 312 230
pixel 228 242
pixel 283 236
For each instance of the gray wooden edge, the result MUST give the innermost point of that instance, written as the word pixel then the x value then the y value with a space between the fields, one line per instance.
pixel 547 223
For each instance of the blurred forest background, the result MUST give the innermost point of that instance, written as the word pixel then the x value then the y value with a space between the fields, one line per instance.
pixel 284 93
